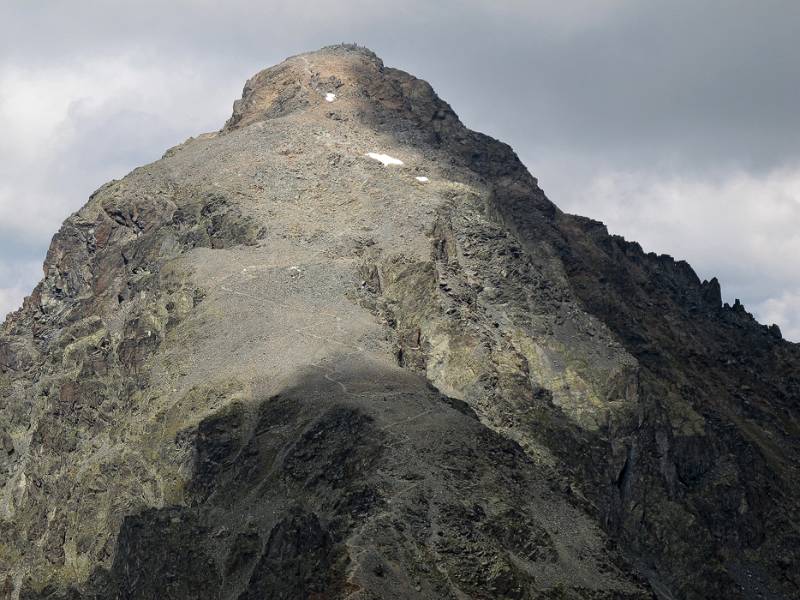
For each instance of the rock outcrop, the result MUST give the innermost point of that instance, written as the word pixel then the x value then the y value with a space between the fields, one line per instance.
pixel 270 366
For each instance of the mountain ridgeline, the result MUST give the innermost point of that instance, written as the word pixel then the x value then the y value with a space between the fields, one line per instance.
pixel 347 348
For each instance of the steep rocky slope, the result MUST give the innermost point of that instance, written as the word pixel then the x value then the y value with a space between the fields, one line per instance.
pixel 270 366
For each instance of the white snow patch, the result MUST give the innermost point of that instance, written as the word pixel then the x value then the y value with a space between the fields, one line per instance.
pixel 384 158
pixel 330 96
pixel 422 179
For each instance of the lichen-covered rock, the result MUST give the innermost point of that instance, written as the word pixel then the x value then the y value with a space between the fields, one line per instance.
pixel 268 365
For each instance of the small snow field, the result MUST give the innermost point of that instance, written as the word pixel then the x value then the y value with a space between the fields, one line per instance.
pixel 422 179
pixel 330 97
pixel 384 158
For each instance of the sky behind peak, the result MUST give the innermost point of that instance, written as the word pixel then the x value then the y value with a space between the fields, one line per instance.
pixel 675 123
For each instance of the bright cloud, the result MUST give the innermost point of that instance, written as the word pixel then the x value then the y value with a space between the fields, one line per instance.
pixel 70 127
pixel 23 275
pixel 741 227
pixel 785 310
pixel 10 300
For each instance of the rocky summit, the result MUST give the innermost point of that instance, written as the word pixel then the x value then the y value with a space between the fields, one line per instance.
pixel 347 348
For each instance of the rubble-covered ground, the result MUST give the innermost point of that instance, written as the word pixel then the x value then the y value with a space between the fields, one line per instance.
pixel 347 348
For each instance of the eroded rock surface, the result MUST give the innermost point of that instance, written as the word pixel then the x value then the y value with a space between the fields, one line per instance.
pixel 271 366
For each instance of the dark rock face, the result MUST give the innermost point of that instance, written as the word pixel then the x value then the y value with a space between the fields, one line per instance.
pixel 312 494
pixel 267 366
pixel 713 457
pixel 736 478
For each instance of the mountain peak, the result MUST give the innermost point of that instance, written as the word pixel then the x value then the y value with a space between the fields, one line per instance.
pixel 347 348
pixel 342 78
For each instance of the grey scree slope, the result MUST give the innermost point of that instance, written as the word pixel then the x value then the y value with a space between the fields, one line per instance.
pixel 269 366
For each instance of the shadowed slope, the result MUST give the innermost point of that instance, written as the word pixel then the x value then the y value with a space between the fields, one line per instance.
pixel 250 328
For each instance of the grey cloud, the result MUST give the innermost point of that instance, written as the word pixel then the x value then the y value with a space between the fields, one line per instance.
pixel 662 92
pixel 695 84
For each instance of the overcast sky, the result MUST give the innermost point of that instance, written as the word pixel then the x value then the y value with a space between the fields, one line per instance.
pixel 677 123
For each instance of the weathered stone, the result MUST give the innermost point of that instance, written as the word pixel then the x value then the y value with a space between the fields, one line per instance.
pixel 268 366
